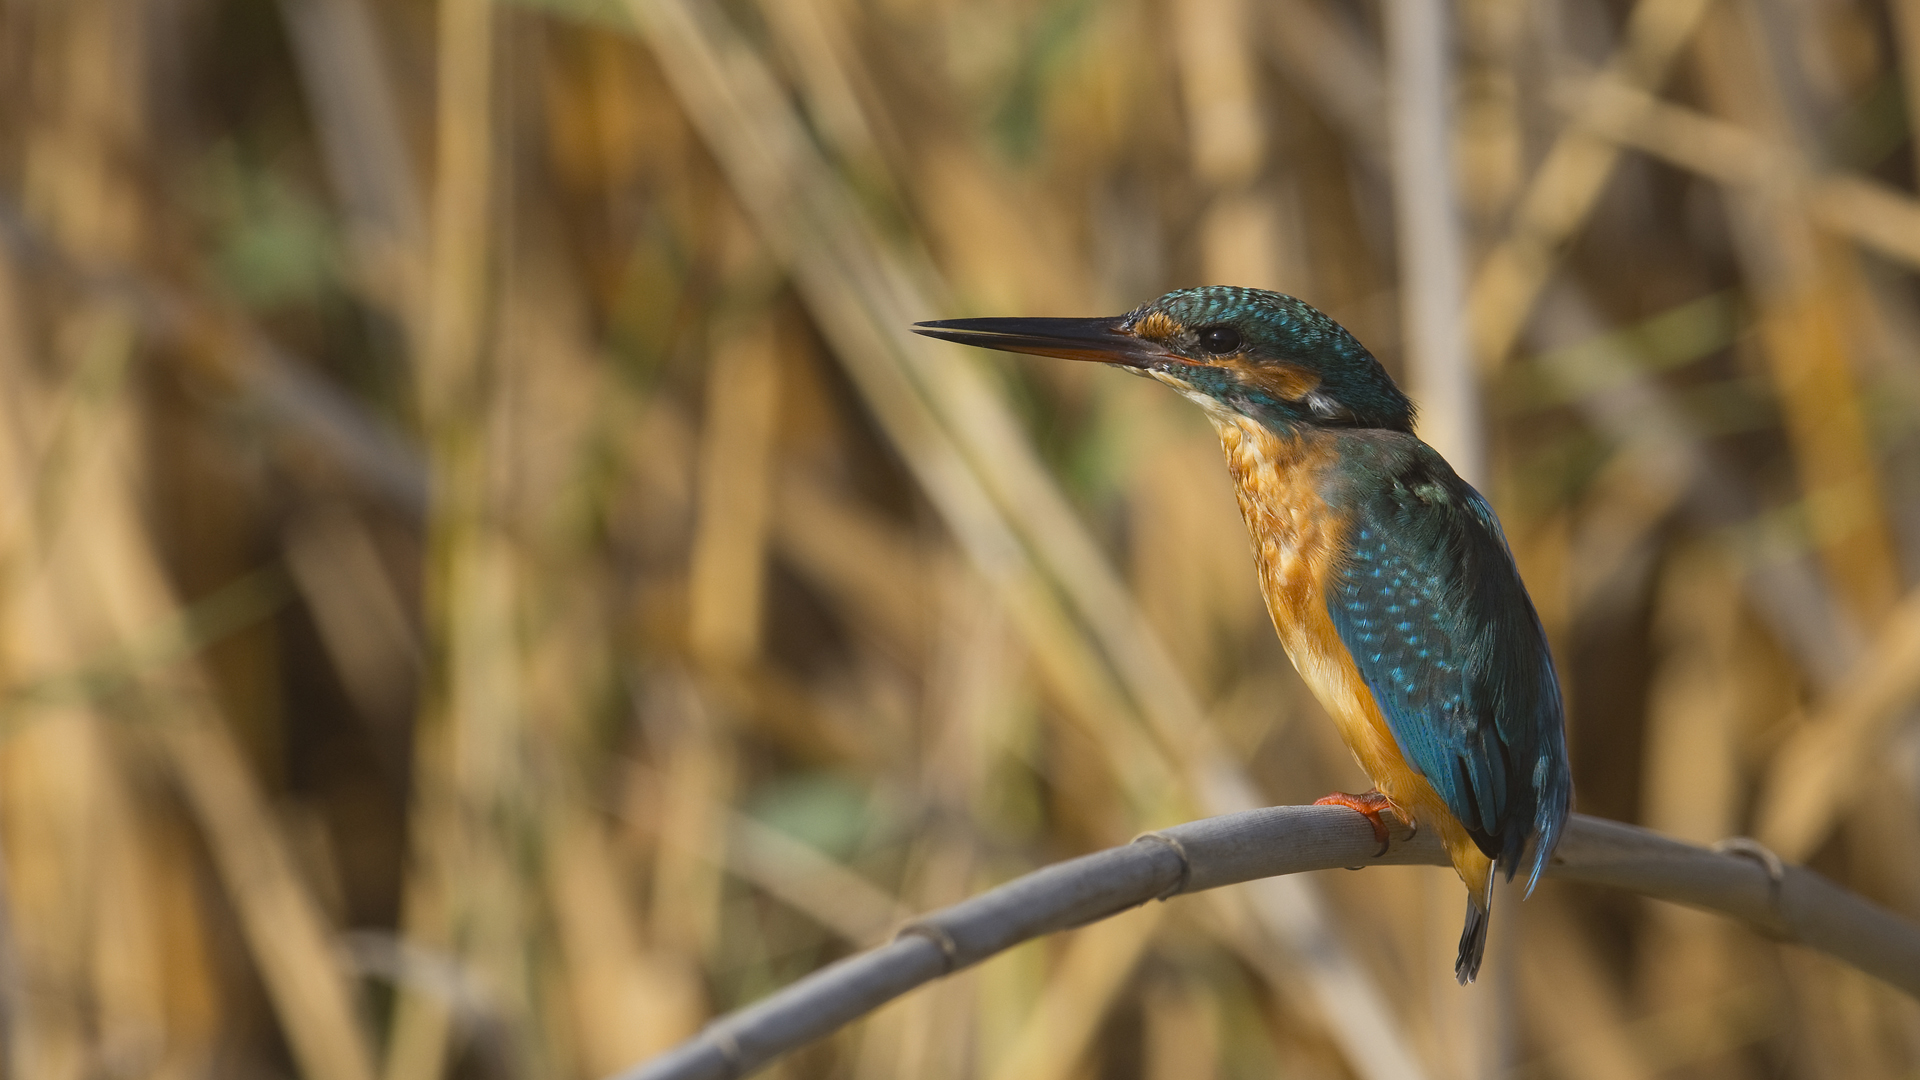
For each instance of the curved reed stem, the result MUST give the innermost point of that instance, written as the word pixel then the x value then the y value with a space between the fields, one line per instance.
pixel 1740 879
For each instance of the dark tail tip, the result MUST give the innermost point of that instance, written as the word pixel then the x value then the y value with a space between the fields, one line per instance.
pixel 1473 941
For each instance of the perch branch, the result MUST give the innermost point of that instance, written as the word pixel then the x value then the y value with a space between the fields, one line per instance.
pixel 1741 880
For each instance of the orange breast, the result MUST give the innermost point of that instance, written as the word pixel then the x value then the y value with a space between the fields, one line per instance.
pixel 1297 544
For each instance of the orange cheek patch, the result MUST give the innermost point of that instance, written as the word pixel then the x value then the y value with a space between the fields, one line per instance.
pixel 1289 382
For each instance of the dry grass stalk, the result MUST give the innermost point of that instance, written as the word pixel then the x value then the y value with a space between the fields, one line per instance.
pixel 1800 281
pixel 948 682
pixel 1432 251
pixel 1566 185
pixel 1813 777
pixel 463 739
pixel 726 574
pixel 793 201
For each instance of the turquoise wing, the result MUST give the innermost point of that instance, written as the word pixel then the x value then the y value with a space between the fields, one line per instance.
pixel 1431 606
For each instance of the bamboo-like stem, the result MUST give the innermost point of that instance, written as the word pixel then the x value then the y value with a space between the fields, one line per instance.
pixel 1743 882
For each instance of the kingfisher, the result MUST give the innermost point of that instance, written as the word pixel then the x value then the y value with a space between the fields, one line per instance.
pixel 1386 574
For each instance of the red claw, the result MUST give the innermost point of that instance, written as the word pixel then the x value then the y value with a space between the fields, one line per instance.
pixel 1369 806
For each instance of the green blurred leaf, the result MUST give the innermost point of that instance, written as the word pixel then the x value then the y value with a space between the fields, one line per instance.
pixel 826 811
pixel 273 245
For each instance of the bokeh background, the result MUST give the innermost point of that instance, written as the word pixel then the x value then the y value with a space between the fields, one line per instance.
pixel 488 582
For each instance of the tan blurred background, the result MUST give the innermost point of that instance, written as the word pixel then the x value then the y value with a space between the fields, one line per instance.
pixel 487 582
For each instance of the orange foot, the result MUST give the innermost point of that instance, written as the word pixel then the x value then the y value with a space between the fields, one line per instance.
pixel 1368 806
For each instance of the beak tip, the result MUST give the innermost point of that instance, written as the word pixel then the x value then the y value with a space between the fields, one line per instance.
pixel 936 331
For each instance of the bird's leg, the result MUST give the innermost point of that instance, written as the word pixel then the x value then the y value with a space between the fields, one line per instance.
pixel 1369 806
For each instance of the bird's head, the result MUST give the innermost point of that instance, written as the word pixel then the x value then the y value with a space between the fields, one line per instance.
pixel 1260 354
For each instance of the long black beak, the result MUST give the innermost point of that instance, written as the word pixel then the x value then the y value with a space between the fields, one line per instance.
pixel 1100 340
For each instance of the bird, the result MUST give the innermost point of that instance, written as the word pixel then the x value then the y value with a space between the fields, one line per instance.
pixel 1388 578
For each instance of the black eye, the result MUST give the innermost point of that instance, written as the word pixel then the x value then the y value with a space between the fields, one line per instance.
pixel 1219 339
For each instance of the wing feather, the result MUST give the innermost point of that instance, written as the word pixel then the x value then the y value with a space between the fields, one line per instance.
pixel 1431 606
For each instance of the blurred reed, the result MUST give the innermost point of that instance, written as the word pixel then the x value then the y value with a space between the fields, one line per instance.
pixel 738 622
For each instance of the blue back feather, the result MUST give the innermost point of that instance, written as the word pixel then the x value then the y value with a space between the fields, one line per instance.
pixel 1431 606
